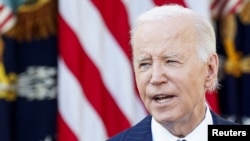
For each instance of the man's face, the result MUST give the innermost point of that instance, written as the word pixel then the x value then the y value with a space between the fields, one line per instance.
pixel 169 75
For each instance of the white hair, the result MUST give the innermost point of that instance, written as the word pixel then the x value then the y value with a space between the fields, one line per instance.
pixel 205 35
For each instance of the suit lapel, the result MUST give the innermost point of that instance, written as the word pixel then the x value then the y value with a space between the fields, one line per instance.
pixel 141 131
pixel 219 120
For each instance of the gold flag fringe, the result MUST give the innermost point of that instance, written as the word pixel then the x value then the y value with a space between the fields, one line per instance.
pixel 35 21
pixel 245 13
pixel 228 33
pixel 236 64
pixel 7 81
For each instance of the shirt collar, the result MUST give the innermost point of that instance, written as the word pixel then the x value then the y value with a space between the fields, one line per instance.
pixel 159 133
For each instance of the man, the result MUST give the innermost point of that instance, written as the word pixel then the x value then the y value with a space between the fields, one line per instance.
pixel 175 63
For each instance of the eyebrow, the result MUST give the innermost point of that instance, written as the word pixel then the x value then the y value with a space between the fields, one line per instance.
pixel 143 59
pixel 166 56
pixel 147 57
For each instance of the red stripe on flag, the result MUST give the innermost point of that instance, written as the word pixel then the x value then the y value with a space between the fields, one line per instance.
pixel 225 7
pixel 235 7
pixel 213 101
pixel 115 17
pixel 222 7
pixel 64 132
pixel 89 78
pixel 214 4
pixel 162 2
pixel 1 7
pixel 10 16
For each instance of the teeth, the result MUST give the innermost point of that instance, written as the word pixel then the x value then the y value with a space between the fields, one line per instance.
pixel 162 101
pixel 160 97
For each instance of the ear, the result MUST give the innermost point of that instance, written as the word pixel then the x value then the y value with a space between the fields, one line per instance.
pixel 212 70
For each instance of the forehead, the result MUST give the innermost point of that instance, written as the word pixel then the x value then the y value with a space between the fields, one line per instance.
pixel 165 26
pixel 164 37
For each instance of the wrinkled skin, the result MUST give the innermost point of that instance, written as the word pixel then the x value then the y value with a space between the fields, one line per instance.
pixel 171 79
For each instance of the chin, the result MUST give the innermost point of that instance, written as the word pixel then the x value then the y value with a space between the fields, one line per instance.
pixel 163 118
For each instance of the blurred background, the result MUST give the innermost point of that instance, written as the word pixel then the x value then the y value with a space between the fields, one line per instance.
pixel 66 74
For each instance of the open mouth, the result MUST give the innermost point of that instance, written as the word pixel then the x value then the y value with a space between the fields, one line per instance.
pixel 162 98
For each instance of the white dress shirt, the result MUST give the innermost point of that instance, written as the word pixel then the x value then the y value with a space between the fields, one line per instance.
pixel 200 133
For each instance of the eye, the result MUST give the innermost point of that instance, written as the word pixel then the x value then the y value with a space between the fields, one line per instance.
pixel 144 65
pixel 171 61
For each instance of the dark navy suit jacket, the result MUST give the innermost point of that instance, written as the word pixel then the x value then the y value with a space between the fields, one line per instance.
pixel 142 130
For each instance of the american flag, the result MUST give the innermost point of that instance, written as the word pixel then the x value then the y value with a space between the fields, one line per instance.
pixel 7 19
pixel 97 95
pixel 224 7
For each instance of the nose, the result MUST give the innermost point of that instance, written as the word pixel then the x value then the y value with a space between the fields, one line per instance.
pixel 158 75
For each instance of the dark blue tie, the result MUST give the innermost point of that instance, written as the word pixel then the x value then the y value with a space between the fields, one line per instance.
pixel 181 140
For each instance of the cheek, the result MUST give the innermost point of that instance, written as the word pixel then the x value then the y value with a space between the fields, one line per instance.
pixel 184 81
pixel 194 75
pixel 141 83
pixel 197 78
pixel 194 85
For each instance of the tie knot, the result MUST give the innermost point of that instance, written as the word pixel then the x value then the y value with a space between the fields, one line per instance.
pixel 181 140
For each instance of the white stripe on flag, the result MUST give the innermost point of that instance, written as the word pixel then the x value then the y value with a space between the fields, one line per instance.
pixel 102 48
pixel 77 112
pixel 232 4
pixel 7 20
